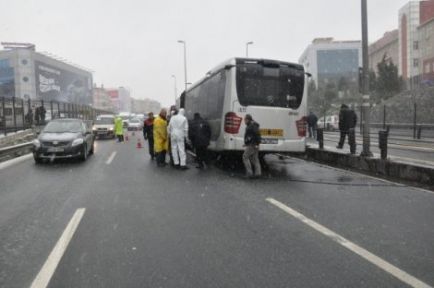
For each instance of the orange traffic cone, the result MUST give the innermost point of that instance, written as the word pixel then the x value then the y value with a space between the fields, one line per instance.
pixel 139 144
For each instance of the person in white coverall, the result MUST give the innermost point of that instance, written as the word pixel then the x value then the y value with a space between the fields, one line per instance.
pixel 178 130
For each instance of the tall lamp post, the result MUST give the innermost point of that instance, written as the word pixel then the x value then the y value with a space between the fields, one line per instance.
pixel 185 62
pixel 174 84
pixel 247 48
pixel 366 106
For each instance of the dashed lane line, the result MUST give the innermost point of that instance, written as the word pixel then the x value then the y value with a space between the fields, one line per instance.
pixel 377 261
pixel 44 276
pixel 111 157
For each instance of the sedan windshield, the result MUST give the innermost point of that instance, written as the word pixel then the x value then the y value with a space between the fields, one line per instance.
pixel 104 121
pixel 63 126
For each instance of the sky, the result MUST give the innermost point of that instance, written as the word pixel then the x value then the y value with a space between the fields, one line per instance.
pixel 133 43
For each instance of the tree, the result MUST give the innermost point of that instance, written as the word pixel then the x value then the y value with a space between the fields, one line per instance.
pixel 388 82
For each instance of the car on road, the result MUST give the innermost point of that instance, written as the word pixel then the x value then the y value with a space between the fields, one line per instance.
pixel 64 139
pixel 104 126
pixel 135 124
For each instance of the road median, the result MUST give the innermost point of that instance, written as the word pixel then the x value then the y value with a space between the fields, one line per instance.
pixel 414 173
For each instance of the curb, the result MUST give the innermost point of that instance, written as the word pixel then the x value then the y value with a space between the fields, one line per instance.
pixel 403 172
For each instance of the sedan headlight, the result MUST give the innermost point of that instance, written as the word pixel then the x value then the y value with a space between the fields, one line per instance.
pixel 111 128
pixel 36 143
pixel 77 142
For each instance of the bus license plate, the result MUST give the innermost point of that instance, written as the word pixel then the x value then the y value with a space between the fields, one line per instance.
pixel 272 132
pixel 269 141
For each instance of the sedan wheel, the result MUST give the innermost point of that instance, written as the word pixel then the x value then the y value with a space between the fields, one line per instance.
pixel 84 153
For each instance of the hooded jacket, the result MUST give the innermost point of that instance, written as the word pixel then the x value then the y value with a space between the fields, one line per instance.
pixel 178 126
pixel 160 134
pixel 252 137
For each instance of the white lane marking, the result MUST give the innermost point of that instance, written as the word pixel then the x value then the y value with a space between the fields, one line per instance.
pixel 111 157
pixel 14 161
pixel 50 265
pixel 377 261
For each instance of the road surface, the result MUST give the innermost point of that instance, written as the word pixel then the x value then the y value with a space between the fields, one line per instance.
pixel 118 221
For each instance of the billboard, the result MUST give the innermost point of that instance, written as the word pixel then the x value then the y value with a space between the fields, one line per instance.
pixel 55 84
pixel 7 79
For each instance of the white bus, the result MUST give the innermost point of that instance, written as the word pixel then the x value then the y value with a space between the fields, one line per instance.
pixel 273 92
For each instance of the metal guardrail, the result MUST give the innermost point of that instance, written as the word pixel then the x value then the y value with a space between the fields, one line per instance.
pixel 19 149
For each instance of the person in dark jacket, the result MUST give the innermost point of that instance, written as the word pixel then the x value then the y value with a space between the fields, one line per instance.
pixel 312 120
pixel 148 133
pixel 252 140
pixel 200 136
pixel 347 125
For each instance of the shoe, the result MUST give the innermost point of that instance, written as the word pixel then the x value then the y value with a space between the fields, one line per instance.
pixel 183 167
pixel 339 147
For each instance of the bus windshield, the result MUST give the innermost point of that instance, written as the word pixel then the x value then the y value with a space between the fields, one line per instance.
pixel 280 86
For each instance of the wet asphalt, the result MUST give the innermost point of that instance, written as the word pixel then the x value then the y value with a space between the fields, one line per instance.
pixel 158 227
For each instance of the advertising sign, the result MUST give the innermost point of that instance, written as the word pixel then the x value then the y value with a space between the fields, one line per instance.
pixel 55 84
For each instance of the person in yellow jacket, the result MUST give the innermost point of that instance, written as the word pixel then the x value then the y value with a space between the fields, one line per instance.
pixel 119 129
pixel 160 138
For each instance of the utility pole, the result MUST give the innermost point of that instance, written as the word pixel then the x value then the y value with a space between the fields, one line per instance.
pixel 185 62
pixel 366 105
pixel 176 90
pixel 247 48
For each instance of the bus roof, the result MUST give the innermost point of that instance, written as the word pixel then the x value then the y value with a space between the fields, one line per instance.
pixel 235 61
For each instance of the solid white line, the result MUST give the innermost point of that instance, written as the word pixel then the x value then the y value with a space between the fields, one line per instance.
pixel 377 261
pixel 14 161
pixel 110 159
pixel 50 265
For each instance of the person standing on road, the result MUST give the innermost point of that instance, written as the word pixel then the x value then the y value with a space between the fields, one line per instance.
pixel 148 133
pixel 42 114
pixel 119 129
pixel 200 135
pixel 252 140
pixel 160 138
pixel 312 120
pixel 178 130
pixel 347 125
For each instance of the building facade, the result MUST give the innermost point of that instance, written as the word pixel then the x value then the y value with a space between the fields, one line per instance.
pixel 142 106
pixel 426 41
pixel 28 74
pixel 415 42
pixel 120 98
pixel 409 58
pixel 101 99
pixel 387 47
pixel 333 62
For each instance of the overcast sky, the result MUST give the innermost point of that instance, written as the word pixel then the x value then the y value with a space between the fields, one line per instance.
pixel 133 43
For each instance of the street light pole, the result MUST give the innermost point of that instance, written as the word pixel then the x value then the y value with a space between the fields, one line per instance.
pixel 185 62
pixel 176 90
pixel 366 106
pixel 247 48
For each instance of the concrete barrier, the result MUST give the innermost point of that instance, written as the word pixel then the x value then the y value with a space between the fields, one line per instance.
pixel 390 169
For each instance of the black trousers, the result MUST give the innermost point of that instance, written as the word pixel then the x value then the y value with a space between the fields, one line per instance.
pixel 161 157
pixel 351 139
pixel 151 147
pixel 201 155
